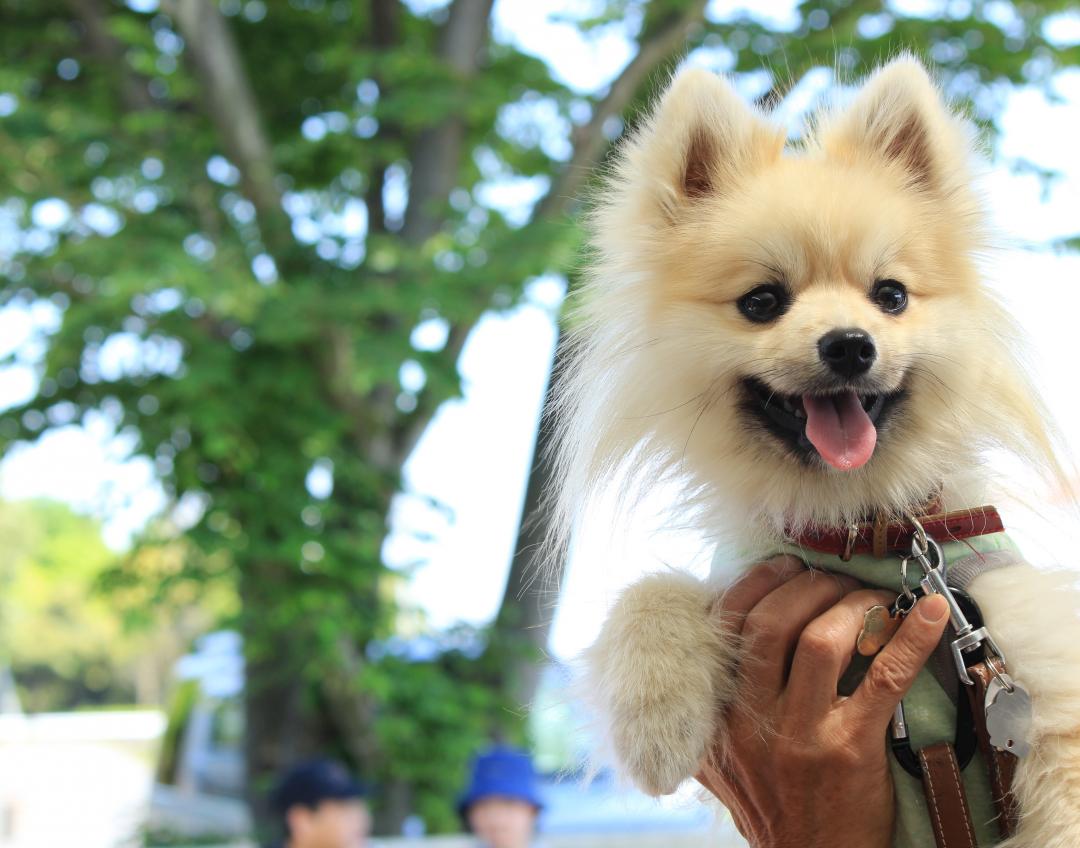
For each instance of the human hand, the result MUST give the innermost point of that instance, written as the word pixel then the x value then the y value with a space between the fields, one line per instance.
pixel 796 763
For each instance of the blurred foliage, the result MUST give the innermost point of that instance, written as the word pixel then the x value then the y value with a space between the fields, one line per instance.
pixel 162 837
pixel 70 641
pixel 240 344
pixel 182 700
pixel 60 639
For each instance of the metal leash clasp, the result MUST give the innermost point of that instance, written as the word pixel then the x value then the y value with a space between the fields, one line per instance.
pixel 928 554
pixel 1006 704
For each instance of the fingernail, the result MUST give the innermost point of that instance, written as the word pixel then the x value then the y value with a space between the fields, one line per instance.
pixel 932 608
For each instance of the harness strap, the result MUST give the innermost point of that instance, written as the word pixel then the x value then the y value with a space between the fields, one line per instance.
pixel 950 816
pixel 1002 764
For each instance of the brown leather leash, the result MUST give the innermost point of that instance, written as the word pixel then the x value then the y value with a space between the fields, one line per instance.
pixel 950 816
pixel 1002 764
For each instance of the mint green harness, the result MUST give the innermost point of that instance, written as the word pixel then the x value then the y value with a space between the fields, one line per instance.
pixel 930 712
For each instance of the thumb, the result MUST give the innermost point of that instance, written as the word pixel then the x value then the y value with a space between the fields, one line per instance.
pixel 893 671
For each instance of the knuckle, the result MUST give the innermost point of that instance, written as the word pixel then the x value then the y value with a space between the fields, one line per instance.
pixel 759 627
pixel 782 563
pixel 847 584
pixel 760 571
pixel 772 572
pixel 888 675
pixel 912 646
pixel 817 645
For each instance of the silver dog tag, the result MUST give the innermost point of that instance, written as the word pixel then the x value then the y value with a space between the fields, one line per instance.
pixel 1008 717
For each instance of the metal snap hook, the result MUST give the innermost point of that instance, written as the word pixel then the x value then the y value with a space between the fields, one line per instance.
pixel 920 534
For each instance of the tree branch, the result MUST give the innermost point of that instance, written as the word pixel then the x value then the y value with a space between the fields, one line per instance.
pixel 408 435
pixel 230 102
pixel 590 143
pixel 436 155
pixel 133 86
pixel 435 162
pixel 664 41
pixel 384 23
pixel 384 34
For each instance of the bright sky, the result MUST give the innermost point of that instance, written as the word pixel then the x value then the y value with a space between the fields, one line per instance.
pixel 472 462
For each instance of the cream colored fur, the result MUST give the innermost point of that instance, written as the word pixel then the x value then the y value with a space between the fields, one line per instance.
pixel 705 202
pixel 1032 615
pixel 658 669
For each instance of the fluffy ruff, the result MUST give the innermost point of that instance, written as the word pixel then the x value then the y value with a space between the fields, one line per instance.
pixel 666 364
pixel 1017 603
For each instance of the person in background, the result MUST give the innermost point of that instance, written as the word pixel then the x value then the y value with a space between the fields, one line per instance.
pixel 321 806
pixel 502 802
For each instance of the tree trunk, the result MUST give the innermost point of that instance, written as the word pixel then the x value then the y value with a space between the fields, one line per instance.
pixel 230 103
pixel 277 727
pixel 436 155
pixel 396 804
pixel 532 586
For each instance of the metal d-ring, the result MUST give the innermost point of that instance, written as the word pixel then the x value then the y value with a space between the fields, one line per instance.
pixel 920 534
pixel 905 587
pixel 927 544
pixel 1002 676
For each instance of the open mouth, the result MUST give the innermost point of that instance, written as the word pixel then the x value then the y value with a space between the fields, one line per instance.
pixel 841 427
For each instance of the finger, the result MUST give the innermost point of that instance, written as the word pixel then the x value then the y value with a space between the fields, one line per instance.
pixel 772 627
pixel 894 670
pixel 731 795
pixel 743 595
pixel 711 780
pixel 825 648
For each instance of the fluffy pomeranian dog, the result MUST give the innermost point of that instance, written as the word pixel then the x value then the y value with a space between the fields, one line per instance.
pixel 798 338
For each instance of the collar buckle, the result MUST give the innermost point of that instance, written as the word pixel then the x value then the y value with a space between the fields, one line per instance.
pixel 849 546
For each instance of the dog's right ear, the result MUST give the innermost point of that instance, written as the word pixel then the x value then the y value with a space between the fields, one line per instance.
pixel 699 141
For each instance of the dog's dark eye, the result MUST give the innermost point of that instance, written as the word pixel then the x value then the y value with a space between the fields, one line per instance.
pixel 764 303
pixel 890 295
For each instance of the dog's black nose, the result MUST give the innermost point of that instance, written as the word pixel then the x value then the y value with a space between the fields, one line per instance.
pixel 848 353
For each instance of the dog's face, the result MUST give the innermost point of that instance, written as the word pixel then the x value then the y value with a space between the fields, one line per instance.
pixel 804 328
pixel 829 296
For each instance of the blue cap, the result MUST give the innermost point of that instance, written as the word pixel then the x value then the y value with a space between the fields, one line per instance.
pixel 311 782
pixel 504 773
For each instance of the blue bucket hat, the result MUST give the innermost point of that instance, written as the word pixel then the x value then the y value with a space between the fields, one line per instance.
pixel 504 773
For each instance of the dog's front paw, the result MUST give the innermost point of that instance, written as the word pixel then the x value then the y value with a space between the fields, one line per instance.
pixel 659 671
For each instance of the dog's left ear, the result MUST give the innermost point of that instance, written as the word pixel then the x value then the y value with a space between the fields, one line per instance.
pixel 899 117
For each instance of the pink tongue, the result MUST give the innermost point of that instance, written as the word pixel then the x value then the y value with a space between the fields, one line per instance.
pixel 840 429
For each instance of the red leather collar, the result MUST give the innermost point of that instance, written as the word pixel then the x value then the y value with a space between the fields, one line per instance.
pixel 882 537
